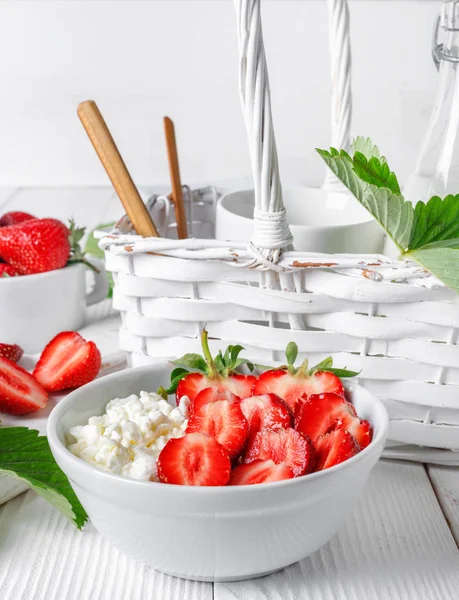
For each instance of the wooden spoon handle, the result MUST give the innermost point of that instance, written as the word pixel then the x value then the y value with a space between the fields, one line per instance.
pixel 174 170
pixel 113 163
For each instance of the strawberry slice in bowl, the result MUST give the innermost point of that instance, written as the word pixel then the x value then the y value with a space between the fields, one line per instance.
pixel 282 446
pixel 212 394
pixel 12 352
pixel 293 384
pixel 260 471
pixel 218 373
pixel 266 411
pixel 224 421
pixel 335 447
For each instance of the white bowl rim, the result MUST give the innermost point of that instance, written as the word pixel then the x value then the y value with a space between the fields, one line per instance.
pixel 221 206
pixel 85 467
pixel 45 274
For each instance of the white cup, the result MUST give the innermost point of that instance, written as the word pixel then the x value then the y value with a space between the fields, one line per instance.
pixel 34 308
pixel 320 221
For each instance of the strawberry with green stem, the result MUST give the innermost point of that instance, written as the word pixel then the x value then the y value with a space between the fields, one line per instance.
pixel 293 384
pixel 208 372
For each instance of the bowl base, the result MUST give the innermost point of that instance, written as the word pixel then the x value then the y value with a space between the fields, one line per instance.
pixel 211 579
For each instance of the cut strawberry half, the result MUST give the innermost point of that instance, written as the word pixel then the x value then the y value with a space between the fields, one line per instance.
pixel 260 471
pixel 266 411
pixel 194 459
pixel 292 387
pixel 68 361
pixel 212 394
pixel 12 352
pixel 282 446
pixel 224 421
pixel 360 429
pixel 20 393
pixel 317 414
pixel 218 373
pixel 335 447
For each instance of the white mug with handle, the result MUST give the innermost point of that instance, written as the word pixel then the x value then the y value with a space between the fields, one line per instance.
pixel 34 308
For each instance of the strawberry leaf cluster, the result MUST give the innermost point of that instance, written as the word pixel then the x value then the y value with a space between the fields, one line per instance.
pixel 427 233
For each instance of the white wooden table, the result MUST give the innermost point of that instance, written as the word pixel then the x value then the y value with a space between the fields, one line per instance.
pixel 400 543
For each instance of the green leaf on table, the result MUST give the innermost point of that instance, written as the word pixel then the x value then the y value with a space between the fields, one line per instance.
pixel 379 196
pixel 26 455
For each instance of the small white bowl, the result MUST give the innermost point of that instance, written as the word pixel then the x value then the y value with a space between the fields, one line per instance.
pixel 320 221
pixel 211 533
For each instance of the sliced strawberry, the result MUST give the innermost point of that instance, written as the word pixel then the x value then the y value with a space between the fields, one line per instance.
pixel 319 412
pixel 335 447
pixel 282 446
pixel 224 421
pixel 194 459
pixel 260 471
pixel 68 361
pixel 20 393
pixel 267 411
pixel 359 428
pixel 12 352
pixel 7 270
pixel 193 383
pixel 212 394
pixel 293 386
pixel 14 218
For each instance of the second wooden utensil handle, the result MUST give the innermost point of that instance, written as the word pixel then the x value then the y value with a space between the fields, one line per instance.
pixel 113 163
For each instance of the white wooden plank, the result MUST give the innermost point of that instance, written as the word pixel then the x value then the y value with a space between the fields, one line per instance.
pixel 445 481
pixel 396 544
pixel 43 557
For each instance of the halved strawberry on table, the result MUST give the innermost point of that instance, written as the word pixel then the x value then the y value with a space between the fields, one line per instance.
pixel 68 361
pixel 194 459
pixel 291 383
pixel 224 421
pixel 260 471
pixel 267 410
pixel 20 392
pixel 282 446
pixel 335 447
pixel 218 373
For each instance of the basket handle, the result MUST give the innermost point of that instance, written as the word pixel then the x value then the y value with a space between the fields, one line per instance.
pixel 271 231
pixel 341 90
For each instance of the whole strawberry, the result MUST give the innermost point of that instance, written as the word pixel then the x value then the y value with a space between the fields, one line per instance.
pixel 35 246
pixel 14 218
pixel 7 271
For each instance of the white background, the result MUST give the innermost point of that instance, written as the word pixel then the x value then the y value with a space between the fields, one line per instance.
pixel 142 59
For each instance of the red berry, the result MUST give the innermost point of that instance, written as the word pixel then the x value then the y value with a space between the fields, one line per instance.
pixel 35 246
pixel 20 393
pixel 316 415
pixel 68 361
pixel 260 471
pixel 14 218
pixel 292 387
pixel 193 383
pixel 208 395
pixel 268 411
pixel 194 459
pixel 7 271
pixel 282 446
pixel 11 352
pixel 224 421
pixel 334 448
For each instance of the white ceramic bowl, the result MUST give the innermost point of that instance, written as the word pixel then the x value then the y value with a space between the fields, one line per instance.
pixel 211 533
pixel 320 221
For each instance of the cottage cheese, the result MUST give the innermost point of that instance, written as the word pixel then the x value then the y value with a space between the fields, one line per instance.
pixel 128 438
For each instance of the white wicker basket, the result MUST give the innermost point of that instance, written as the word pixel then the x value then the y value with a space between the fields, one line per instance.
pixel 401 335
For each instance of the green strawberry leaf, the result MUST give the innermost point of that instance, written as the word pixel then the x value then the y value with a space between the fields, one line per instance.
pixel 375 172
pixel 77 255
pixel 26 455
pixel 388 207
pixel 435 221
pixel 322 366
pixel 342 372
pixel 291 354
pixel 234 352
pixel 192 361
pixel 366 147
pixel 441 259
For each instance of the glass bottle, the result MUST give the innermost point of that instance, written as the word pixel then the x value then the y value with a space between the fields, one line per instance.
pixel 437 168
